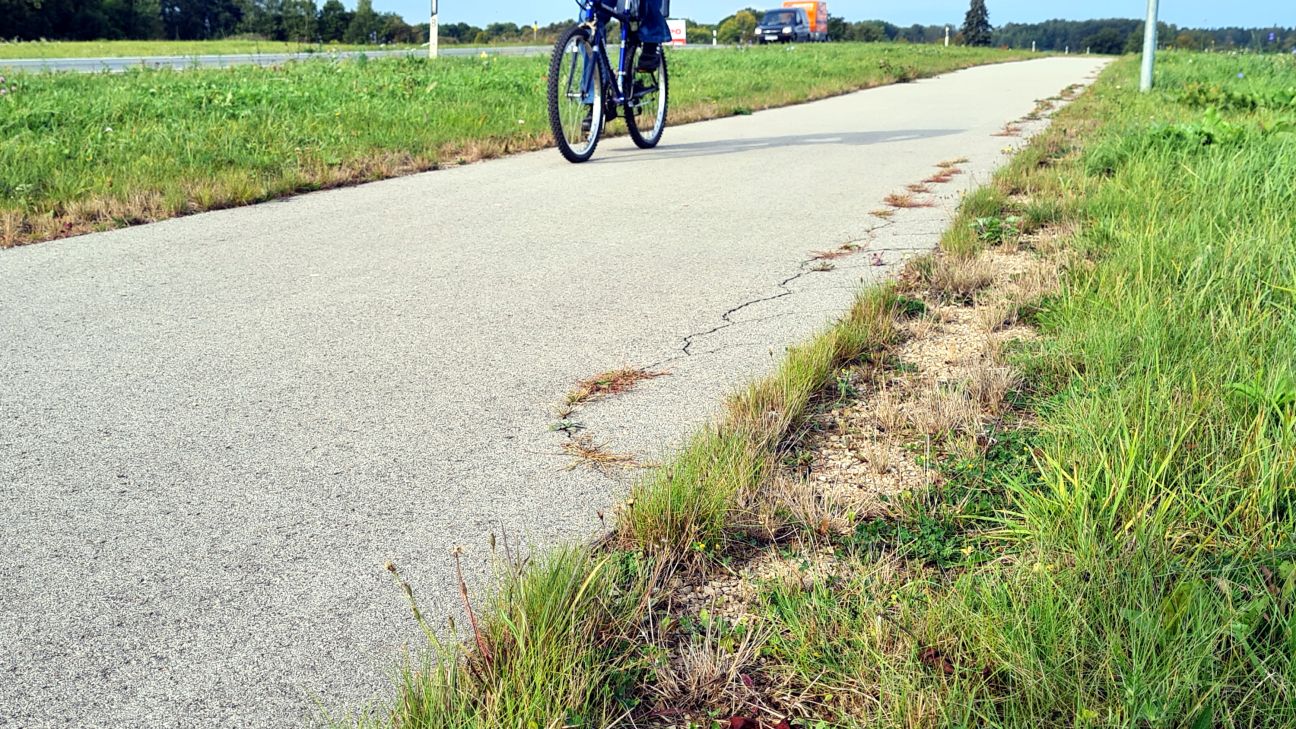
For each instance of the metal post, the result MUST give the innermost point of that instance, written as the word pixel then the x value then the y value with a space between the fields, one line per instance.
pixel 1149 47
pixel 947 31
pixel 434 32
pixel 715 37
pixel 1032 46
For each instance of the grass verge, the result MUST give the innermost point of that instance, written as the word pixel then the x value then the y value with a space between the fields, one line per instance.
pixel 130 49
pixel 80 153
pixel 1117 548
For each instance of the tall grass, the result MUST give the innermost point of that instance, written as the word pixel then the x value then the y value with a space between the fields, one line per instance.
pixel 550 651
pixel 86 152
pixel 1146 570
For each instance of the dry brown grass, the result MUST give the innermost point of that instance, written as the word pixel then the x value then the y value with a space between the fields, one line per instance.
pixel 787 503
pixel 918 188
pixel 939 411
pixel 880 456
pixel 838 252
pixel 904 200
pixel 1009 130
pixel 998 315
pixel 883 213
pixel 945 175
pixel 888 410
pixel 959 278
pixel 607 384
pixel 990 384
pixel 950 164
pixel 706 672
pixel 585 451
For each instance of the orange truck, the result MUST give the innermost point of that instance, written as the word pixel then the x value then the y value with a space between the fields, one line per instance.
pixel 817 14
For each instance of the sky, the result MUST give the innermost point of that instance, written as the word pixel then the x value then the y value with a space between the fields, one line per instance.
pixel 1195 13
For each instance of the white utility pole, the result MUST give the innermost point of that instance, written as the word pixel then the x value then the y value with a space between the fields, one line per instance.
pixel 1149 47
pixel 1032 46
pixel 947 29
pixel 434 32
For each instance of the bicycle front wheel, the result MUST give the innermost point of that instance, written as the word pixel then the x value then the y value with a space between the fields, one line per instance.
pixel 575 95
pixel 648 103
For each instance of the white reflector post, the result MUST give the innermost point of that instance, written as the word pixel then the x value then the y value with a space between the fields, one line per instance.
pixel 434 32
pixel 1149 47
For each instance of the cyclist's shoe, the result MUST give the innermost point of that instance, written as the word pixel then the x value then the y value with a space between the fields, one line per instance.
pixel 650 58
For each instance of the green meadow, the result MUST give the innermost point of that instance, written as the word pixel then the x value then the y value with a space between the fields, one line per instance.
pixel 89 152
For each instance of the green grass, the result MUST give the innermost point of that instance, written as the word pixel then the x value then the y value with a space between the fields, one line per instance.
pixel 120 49
pixel 89 152
pixel 551 647
pixel 1141 571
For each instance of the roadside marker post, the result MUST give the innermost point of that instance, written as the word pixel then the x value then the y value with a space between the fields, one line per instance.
pixel 434 32
pixel 1149 47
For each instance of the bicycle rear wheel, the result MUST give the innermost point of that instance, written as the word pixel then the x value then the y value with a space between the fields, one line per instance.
pixel 575 95
pixel 648 104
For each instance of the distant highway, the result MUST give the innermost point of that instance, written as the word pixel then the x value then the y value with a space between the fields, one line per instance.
pixel 95 65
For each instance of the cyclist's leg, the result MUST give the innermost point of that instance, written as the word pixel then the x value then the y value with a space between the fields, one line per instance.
pixel 588 76
pixel 653 31
pixel 653 27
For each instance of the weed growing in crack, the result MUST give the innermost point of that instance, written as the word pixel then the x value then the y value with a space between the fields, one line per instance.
pixel 606 384
pixel 585 451
pixel 906 200
pixel 839 252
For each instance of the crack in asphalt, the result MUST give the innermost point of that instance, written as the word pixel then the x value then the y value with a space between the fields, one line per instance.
pixel 691 339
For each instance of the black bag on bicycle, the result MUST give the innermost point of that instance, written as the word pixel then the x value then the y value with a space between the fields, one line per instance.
pixel 630 8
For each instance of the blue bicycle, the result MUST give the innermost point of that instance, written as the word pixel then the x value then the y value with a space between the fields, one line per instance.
pixel 584 91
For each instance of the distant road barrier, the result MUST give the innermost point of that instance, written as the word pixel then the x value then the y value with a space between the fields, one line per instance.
pixel 117 65
pixel 94 65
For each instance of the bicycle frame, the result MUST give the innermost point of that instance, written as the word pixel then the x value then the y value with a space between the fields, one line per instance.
pixel 596 15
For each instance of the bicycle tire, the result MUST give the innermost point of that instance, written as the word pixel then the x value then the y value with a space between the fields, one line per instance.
pixel 560 99
pixel 654 135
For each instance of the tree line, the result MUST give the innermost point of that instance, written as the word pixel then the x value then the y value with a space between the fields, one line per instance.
pixel 307 21
pixel 281 20
pixel 1122 35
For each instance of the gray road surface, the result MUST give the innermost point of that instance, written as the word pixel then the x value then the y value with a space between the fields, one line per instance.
pixel 95 65
pixel 215 430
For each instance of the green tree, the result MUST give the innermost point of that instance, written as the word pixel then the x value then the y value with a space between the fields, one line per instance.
pixel 838 29
pixel 976 26
pixel 333 21
pixel 395 29
pixel 739 28
pixel 365 24
pixel 1108 41
pixel 300 21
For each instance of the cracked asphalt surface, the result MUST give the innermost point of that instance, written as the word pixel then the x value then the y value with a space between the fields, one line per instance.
pixel 215 430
